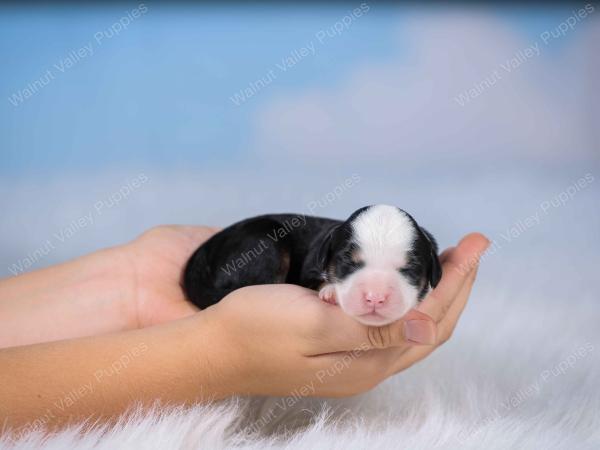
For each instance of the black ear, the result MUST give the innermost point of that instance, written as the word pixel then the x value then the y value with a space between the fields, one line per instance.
pixel 324 250
pixel 435 272
pixel 435 268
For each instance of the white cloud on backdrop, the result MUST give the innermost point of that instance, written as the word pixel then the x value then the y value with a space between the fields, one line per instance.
pixel 528 98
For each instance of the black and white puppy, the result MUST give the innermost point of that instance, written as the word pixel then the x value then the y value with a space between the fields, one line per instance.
pixel 376 265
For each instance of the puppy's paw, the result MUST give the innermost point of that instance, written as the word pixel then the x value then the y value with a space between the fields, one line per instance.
pixel 327 294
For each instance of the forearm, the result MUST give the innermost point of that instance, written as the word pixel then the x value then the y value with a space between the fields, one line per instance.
pixel 69 300
pixel 56 383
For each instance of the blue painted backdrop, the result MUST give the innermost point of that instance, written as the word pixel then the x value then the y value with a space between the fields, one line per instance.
pixel 119 117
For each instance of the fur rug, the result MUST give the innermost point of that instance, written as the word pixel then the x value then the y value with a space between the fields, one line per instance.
pixel 522 371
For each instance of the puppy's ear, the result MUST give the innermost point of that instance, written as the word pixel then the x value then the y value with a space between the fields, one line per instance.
pixel 435 268
pixel 435 271
pixel 324 250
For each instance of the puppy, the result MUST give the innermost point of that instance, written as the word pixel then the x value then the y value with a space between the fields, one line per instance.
pixel 376 265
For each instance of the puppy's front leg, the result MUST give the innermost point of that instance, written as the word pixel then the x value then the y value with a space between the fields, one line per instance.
pixel 327 294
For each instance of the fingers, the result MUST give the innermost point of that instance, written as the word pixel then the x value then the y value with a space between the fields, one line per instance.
pixel 448 324
pixel 414 328
pixel 456 267
pixel 338 332
pixel 445 329
pixel 196 234
pixel 445 254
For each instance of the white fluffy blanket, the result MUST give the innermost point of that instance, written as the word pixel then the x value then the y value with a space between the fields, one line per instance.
pixel 522 371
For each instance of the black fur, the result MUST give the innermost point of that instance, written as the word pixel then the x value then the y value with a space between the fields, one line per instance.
pixel 275 248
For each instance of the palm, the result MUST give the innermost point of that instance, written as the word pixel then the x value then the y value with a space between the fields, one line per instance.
pixel 158 257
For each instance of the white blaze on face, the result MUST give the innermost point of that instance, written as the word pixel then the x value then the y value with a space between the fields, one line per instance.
pixel 377 293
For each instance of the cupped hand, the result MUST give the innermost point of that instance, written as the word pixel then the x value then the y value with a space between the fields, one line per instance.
pixel 155 261
pixel 283 340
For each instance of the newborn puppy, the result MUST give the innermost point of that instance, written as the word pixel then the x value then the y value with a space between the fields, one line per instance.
pixel 376 265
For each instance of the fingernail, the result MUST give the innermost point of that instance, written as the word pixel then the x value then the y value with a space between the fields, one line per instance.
pixel 419 331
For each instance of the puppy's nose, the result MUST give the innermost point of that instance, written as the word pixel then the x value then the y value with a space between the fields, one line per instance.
pixel 374 298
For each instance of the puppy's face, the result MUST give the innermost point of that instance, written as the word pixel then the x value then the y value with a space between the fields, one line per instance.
pixel 380 264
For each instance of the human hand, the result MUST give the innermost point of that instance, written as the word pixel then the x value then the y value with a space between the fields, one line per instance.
pixel 116 289
pixel 269 340
pixel 155 262
pixel 282 338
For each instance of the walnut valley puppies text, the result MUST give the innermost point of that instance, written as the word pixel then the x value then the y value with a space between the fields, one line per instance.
pixel 76 55
pixel 74 227
pixel 544 210
pixel 287 226
pixel 525 54
pixel 376 265
pixel 300 53
pixel 80 392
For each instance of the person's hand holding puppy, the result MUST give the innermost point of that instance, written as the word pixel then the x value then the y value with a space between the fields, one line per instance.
pixel 267 340
pixel 283 338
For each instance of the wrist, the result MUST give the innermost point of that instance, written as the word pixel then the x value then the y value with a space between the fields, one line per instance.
pixel 83 297
pixel 109 284
pixel 113 275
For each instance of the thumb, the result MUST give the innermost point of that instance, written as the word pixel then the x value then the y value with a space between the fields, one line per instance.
pixel 343 333
pixel 414 327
